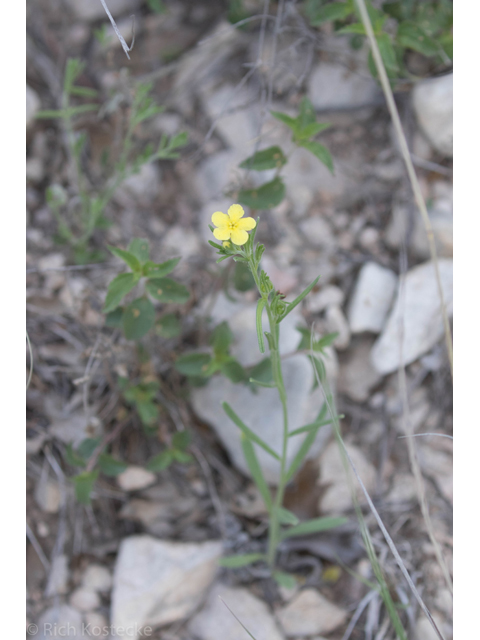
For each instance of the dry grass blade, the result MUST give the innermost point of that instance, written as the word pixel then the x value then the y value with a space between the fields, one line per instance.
pixel 31 361
pixel 392 107
pixel 125 46
pixel 239 621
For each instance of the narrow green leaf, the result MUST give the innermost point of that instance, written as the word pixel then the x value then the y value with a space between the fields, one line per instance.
pixel 154 270
pixel 264 197
pixel 140 249
pixel 311 130
pixel 302 453
pixel 319 151
pixel 256 471
pixel 329 12
pixel 307 114
pixel 167 290
pixel 309 427
pixel 160 461
pixel 313 526
pixel 84 483
pixel 248 432
pixel 221 338
pixel 298 299
pixel 387 51
pixel 138 318
pixel 260 307
pixel 118 289
pixel 83 91
pixel 285 580
pixel 288 120
pixel 87 447
pixel 48 114
pixel 352 28
pixel 269 385
pixel 73 458
pixel 234 562
pixel 262 372
pixel 287 517
pixel 270 340
pixel 270 158
pixel 110 466
pixel 193 364
pixel 127 257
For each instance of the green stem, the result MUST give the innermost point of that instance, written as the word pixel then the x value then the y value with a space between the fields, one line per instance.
pixel 274 525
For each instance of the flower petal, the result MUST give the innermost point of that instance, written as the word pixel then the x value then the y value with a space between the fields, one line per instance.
pixel 235 212
pixel 220 219
pixel 239 237
pixel 222 234
pixel 246 224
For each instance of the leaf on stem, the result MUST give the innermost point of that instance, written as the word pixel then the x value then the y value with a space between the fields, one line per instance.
pixel 138 318
pixel 264 197
pixel 313 526
pixel 248 432
pixel 233 562
pixel 292 305
pixel 256 471
pixel 127 257
pixel 118 289
pixel 260 307
pixel 270 158
pixel 167 290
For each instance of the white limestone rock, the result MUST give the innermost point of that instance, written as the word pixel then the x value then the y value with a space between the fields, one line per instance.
pixel 157 582
pixel 372 298
pixel 310 613
pixel 433 105
pixel 135 478
pixel 333 86
pixel 417 315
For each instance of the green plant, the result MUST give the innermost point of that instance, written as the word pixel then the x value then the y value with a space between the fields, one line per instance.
pixel 423 26
pixel 176 452
pixel 237 244
pixel 78 216
pixel 304 129
pixel 138 317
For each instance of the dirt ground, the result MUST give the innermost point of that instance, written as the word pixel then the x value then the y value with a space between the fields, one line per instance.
pixel 208 77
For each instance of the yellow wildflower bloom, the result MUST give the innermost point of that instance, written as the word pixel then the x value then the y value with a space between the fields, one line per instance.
pixel 232 226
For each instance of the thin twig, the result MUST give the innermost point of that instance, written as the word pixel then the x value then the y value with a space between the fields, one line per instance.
pixel 392 107
pixel 417 435
pixel 125 46
pixel 36 545
pixel 31 361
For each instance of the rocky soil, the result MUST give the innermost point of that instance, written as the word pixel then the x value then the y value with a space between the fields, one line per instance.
pixel 144 554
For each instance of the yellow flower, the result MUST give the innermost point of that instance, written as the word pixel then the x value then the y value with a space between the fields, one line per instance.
pixel 232 226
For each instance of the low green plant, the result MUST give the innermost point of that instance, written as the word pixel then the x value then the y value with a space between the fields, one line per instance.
pixel 304 129
pixel 423 26
pixel 78 215
pixel 138 317
pixel 232 230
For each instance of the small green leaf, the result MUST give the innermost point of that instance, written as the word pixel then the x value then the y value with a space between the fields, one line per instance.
pixel 181 456
pixel 313 526
pixel 264 197
pixel 127 257
pixel 311 130
pixel 161 461
pixel 260 307
pixel 319 151
pixel 168 326
pixel 268 385
pixel 110 466
pixel 234 371
pixel 270 158
pixel 234 562
pixel 167 290
pixel 221 339
pixel 329 13
pixel 352 28
pixel 73 458
pixel 87 447
pixel 84 483
pixel 154 270
pixel 248 432
pixel 286 517
pixel 262 372
pixel 387 51
pixel 140 249
pixel 193 364
pixel 288 120
pixel 298 299
pixel 285 580
pixel 83 92
pixel 256 470
pixel 118 289
pixel 242 277
pixel 148 412
pixel 138 318
pixel 307 114
pixel 411 36
pixel 181 440
pixel 302 453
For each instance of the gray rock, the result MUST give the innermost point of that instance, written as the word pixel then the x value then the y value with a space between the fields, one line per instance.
pixel 416 313
pixel 47 495
pixel 216 622
pixel 135 478
pixel 337 497
pixel 144 185
pixel 433 105
pixel 157 582
pixel 372 298
pixel 357 375
pixel 317 231
pixel 326 297
pixel 58 577
pixel 216 173
pixel 332 86
pixel 84 599
pixel 337 323
pixel 33 105
pixel 91 10
pixel 61 621
pixel 97 578
pixel 310 613
pixel 262 411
